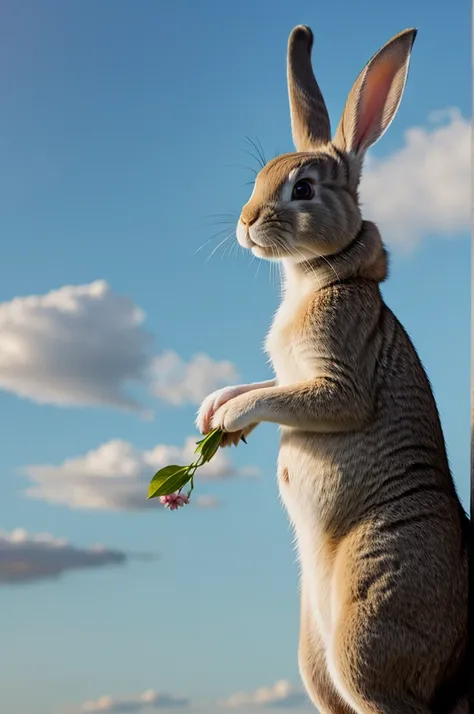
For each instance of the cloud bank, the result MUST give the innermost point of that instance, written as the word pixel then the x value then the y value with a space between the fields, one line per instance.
pixel 115 476
pixel 423 188
pixel 76 346
pixel 25 558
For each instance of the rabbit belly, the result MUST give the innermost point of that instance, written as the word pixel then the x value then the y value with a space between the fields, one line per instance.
pixel 320 490
pixel 310 511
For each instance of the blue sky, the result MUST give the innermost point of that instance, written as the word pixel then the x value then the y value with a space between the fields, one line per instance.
pixel 122 130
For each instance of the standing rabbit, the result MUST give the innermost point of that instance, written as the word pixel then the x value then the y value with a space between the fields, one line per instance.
pixel 362 467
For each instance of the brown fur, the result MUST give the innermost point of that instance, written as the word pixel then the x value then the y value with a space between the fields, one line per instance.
pixel 363 471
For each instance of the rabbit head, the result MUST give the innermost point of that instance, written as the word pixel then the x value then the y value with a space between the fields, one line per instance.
pixel 305 204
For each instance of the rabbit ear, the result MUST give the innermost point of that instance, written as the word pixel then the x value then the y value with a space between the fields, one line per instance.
pixel 309 117
pixel 376 95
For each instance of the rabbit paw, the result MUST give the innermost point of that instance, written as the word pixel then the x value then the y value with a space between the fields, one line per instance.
pixel 212 403
pixel 235 417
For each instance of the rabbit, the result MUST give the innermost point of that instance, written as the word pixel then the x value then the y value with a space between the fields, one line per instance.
pixel 381 535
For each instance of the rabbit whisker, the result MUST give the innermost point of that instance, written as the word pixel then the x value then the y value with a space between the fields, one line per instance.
pixel 228 237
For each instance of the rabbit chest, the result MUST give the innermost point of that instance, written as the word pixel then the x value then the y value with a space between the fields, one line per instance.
pixel 290 344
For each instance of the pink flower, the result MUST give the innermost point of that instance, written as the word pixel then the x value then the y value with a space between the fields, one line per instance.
pixel 174 500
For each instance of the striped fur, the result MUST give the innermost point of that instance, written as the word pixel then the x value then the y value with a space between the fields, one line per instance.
pixel 381 535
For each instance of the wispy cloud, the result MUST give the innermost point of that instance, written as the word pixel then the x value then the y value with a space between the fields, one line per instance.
pixel 115 476
pixel 178 382
pixel 424 187
pixel 85 345
pixel 25 558
pixel 147 701
pixel 281 695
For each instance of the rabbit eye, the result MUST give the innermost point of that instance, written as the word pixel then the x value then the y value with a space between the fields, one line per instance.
pixel 302 191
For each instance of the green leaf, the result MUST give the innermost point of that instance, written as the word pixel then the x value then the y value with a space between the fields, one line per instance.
pixel 209 445
pixel 168 480
pixel 208 436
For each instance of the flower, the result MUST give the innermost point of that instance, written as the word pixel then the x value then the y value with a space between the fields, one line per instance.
pixel 173 501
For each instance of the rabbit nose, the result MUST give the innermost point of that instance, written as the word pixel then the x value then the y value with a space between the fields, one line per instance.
pixel 249 215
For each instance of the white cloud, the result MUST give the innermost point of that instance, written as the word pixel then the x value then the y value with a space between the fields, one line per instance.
pixel 115 476
pixel 85 345
pixel 148 700
pixel 25 558
pixel 178 382
pixel 281 695
pixel 424 187
pixel 79 345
